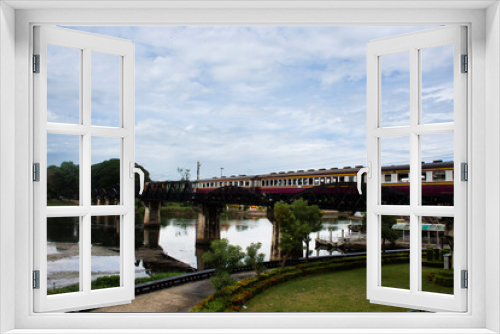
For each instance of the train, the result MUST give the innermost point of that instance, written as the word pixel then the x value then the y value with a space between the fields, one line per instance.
pixel 437 178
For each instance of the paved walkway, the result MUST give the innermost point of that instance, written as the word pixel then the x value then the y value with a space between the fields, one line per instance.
pixel 176 299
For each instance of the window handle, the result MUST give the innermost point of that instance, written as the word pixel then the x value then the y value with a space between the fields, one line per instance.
pixel 361 171
pixel 139 171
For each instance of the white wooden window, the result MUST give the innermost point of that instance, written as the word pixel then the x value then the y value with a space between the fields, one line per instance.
pixel 75 127
pixel 409 133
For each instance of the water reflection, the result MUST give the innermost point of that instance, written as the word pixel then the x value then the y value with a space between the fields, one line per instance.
pixel 158 246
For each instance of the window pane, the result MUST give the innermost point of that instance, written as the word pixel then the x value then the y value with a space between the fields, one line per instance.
pixel 63 171
pixel 106 169
pixel 395 161
pixel 395 234
pixel 437 169
pixel 105 89
pixel 437 255
pixel 106 251
pixel 63 84
pixel 395 89
pixel 63 255
pixel 437 84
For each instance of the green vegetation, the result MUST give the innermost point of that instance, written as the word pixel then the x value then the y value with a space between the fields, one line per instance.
pixel 63 180
pixel 255 259
pixel 234 297
pixel 388 234
pixel 54 202
pixel 296 222
pixel 223 257
pixel 339 291
pixel 112 281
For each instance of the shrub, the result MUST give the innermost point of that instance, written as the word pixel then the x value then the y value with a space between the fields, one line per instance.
pixel 430 254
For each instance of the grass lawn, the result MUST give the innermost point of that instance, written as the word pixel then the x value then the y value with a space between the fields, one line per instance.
pixel 342 291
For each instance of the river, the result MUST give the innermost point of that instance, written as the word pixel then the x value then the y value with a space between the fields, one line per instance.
pixel 176 236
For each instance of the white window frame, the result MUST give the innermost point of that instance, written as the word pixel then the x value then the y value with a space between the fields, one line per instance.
pixel 413 43
pixel 483 19
pixel 85 132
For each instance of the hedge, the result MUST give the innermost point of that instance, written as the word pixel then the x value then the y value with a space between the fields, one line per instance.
pixel 234 297
pixel 442 277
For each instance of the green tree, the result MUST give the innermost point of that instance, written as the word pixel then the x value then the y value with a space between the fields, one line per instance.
pixel 184 173
pixel 255 259
pixel 296 222
pixel 63 181
pixel 223 257
pixel 387 233
pixel 310 220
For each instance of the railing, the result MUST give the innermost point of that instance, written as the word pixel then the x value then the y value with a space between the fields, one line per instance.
pixel 205 274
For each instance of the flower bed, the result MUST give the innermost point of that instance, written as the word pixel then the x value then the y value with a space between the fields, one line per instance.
pixel 234 297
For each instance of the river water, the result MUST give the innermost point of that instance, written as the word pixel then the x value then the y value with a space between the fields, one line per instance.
pixel 176 237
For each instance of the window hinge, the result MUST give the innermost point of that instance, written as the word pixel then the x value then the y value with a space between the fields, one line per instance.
pixel 465 64
pixel 36 172
pixel 464 172
pixel 36 279
pixel 465 279
pixel 36 63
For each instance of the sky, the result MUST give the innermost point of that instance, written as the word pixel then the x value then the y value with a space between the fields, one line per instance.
pixel 250 100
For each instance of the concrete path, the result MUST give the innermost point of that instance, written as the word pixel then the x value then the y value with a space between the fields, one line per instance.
pixel 176 299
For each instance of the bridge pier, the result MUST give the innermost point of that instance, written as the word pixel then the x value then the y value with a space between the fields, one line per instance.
pixel 152 214
pixel 208 224
pixel 276 252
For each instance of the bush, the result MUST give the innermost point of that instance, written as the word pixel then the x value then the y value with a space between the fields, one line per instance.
pixel 430 254
pixel 442 277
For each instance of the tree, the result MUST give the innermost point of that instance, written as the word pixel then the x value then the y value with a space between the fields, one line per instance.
pixel 387 233
pixel 255 259
pixel 223 257
pixel 296 222
pixel 184 173
pixel 310 218
pixel 62 181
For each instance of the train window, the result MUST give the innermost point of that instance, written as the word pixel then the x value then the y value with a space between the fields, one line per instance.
pixel 438 175
pixel 294 182
pixel 387 177
pixel 424 176
pixel 299 182
pixel 311 181
pixel 403 177
pixel 247 183
pixel 289 182
pixel 322 180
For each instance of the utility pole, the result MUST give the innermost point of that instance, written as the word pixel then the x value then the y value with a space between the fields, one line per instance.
pixel 221 169
pixel 198 165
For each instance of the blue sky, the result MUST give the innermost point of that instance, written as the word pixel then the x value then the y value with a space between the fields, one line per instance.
pixel 254 99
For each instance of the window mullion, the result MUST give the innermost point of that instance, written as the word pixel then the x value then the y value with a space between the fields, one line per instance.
pixel 414 168
pixel 85 180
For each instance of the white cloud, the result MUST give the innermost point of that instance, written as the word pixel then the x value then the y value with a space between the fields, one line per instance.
pixel 251 99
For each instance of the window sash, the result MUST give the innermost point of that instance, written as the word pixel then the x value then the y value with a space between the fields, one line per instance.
pixel 86 297
pixel 414 298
